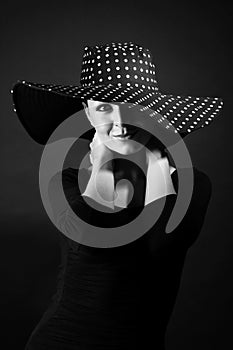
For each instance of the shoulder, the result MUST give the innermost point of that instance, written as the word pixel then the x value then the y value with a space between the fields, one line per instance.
pixel 202 191
pixel 194 218
pixel 72 173
pixel 69 176
pixel 202 185
pixel 200 197
pixel 78 178
pixel 71 180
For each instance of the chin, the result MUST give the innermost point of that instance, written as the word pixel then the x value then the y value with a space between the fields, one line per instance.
pixel 124 147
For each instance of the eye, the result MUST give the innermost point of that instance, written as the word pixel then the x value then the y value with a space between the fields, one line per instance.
pixel 104 107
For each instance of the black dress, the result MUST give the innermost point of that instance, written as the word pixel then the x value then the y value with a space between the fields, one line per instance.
pixel 122 297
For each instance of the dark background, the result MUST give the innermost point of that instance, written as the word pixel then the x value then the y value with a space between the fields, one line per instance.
pixel 191 45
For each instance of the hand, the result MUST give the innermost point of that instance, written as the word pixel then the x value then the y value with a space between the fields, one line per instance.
pixel 100 186
pixel 100 157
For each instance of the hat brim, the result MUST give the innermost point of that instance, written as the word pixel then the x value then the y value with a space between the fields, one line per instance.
pixel 41 108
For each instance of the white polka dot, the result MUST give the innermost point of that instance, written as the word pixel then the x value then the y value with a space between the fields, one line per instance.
pixel 108 69
pixel 135 76
pixel 127 76
pixel 109 78
pixel 117 68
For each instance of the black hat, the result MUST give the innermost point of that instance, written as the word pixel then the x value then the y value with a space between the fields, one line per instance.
pixel 115 72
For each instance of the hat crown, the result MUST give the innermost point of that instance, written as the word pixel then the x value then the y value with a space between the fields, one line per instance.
pixel 118 64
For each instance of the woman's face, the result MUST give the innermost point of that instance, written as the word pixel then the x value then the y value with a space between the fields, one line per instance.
pixel 119 127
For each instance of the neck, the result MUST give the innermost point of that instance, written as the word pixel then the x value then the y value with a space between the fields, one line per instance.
pixel 147 171
pixel 139 158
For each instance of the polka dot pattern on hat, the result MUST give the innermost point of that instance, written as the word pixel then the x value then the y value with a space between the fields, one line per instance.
pixel 182 113
pixel 115 58
pixel 125 73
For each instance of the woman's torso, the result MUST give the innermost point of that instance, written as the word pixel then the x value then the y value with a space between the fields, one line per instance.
pixel 119 297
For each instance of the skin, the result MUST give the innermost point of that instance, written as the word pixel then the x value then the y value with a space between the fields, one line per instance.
pixel 110 120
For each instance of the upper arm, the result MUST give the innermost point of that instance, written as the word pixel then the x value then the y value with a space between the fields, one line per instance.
pixel 195 217
pixel 203 196
pixel 56 196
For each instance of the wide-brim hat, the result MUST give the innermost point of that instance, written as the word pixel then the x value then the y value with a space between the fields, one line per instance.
pixel 115 72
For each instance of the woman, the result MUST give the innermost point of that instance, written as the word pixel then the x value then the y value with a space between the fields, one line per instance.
pixel 121 297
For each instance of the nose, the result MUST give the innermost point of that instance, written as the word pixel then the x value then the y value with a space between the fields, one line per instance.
pixel 122 118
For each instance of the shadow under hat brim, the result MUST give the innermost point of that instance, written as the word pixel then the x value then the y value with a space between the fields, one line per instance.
pixel 41 108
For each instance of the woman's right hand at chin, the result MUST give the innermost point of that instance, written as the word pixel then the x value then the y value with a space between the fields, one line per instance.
pixel 101 156
pixel 100 186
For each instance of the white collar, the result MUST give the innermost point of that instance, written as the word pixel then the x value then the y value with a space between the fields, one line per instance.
pixel 159 183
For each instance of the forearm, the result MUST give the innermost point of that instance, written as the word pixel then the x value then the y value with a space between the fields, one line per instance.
pixel 100 187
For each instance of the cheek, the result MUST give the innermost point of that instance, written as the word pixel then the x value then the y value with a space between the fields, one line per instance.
pixel 103 130
pixel 100 123
pixel 99 120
